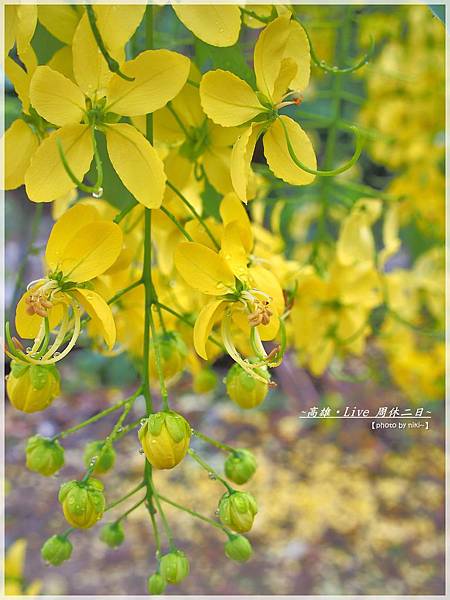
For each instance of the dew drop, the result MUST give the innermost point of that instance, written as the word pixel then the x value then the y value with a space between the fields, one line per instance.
pixel 217 512
pixel 212 476
pixel 141 451
pixel 142 421
pixel 28 349
pixel 98 194
pixel 119 429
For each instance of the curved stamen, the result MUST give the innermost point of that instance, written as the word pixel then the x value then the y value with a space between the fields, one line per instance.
pixel 345 167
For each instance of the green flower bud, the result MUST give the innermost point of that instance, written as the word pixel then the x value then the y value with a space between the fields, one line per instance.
pixel 240 466
pixel 245 390
pixel 204 381
pixel 104 458
pixel 156 584
pixel 83 502
pixel 238 548
pixel 43 455
pixel 56 550
pixel 165 438
pixel 237 511
pixel 112 534
pixel 174 566
pixel 173 354
pixel 32 387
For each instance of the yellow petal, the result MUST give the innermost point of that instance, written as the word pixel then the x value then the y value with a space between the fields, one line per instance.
pixel 233 251
pixel 216 162
pixel 158 77
pixel 20 145
pixel 20 80
pixel 55 97
pixel 265 281
pixel 117 23
pixel 15 559
pixel 65 228
pixel 277 153
pixel 90 69
pixel 227 99
pixel 46 178
pixel 137 164
pixel 287 72
pixel 61 61
pixel 297 48
pixel 204 324
pixel 231 209
pixel 355 243
pixel 391 240
pixel 215 25
pixel 25 27
pixel 203 269
pixel 241 158
pixel 61 21
pixel 27 325
pixel 281 39
pixel 100 313
pixel 91 251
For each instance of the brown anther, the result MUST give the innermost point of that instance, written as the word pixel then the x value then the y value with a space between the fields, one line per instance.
pixel 40 311
pixel 273 384
pixel 254 319
pixel 18 344
pixel 273 353
pixel 46 303
pixel 30 310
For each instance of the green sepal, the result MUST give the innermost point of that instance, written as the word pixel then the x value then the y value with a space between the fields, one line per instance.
pixel 155 423
pixel 38 376
pixel 18 369
pixel 177 427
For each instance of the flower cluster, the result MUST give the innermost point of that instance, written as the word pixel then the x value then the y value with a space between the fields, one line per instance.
pixel 226 241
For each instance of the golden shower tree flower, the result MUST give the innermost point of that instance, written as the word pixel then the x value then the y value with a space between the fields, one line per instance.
pixel 282 66
pixel 96 103
pixel 242 292
pixel 196 143
pixel 81 247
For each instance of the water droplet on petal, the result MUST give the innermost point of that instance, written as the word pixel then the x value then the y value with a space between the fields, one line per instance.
pixel 98 194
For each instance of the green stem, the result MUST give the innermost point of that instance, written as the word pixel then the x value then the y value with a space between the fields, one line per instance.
pixel 155 530
pixel 88 189
pixel 213 442
pixel 130 510
pixel 186 320
pixel 162 383
pixel 163 518
pixel 178 120
pixel 332 172
pixel 148 298
pixel 123 498
pixel 334 69
pixel 123 213
pixel 97 417
pixel 195 213
pixel 113 65
pixel 121 293
pixel 175 221
pixel 211 472
pixel 110 439
pixel 196 514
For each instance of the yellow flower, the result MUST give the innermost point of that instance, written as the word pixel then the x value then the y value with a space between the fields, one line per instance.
pixel 281 63
pixel 14 566
pixel 95 103
pixel 244 292
pixel 165 438
pixel 196 140
pixel 81 247
pixel 20 24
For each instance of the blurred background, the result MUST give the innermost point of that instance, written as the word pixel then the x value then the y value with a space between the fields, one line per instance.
pixel 343 509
